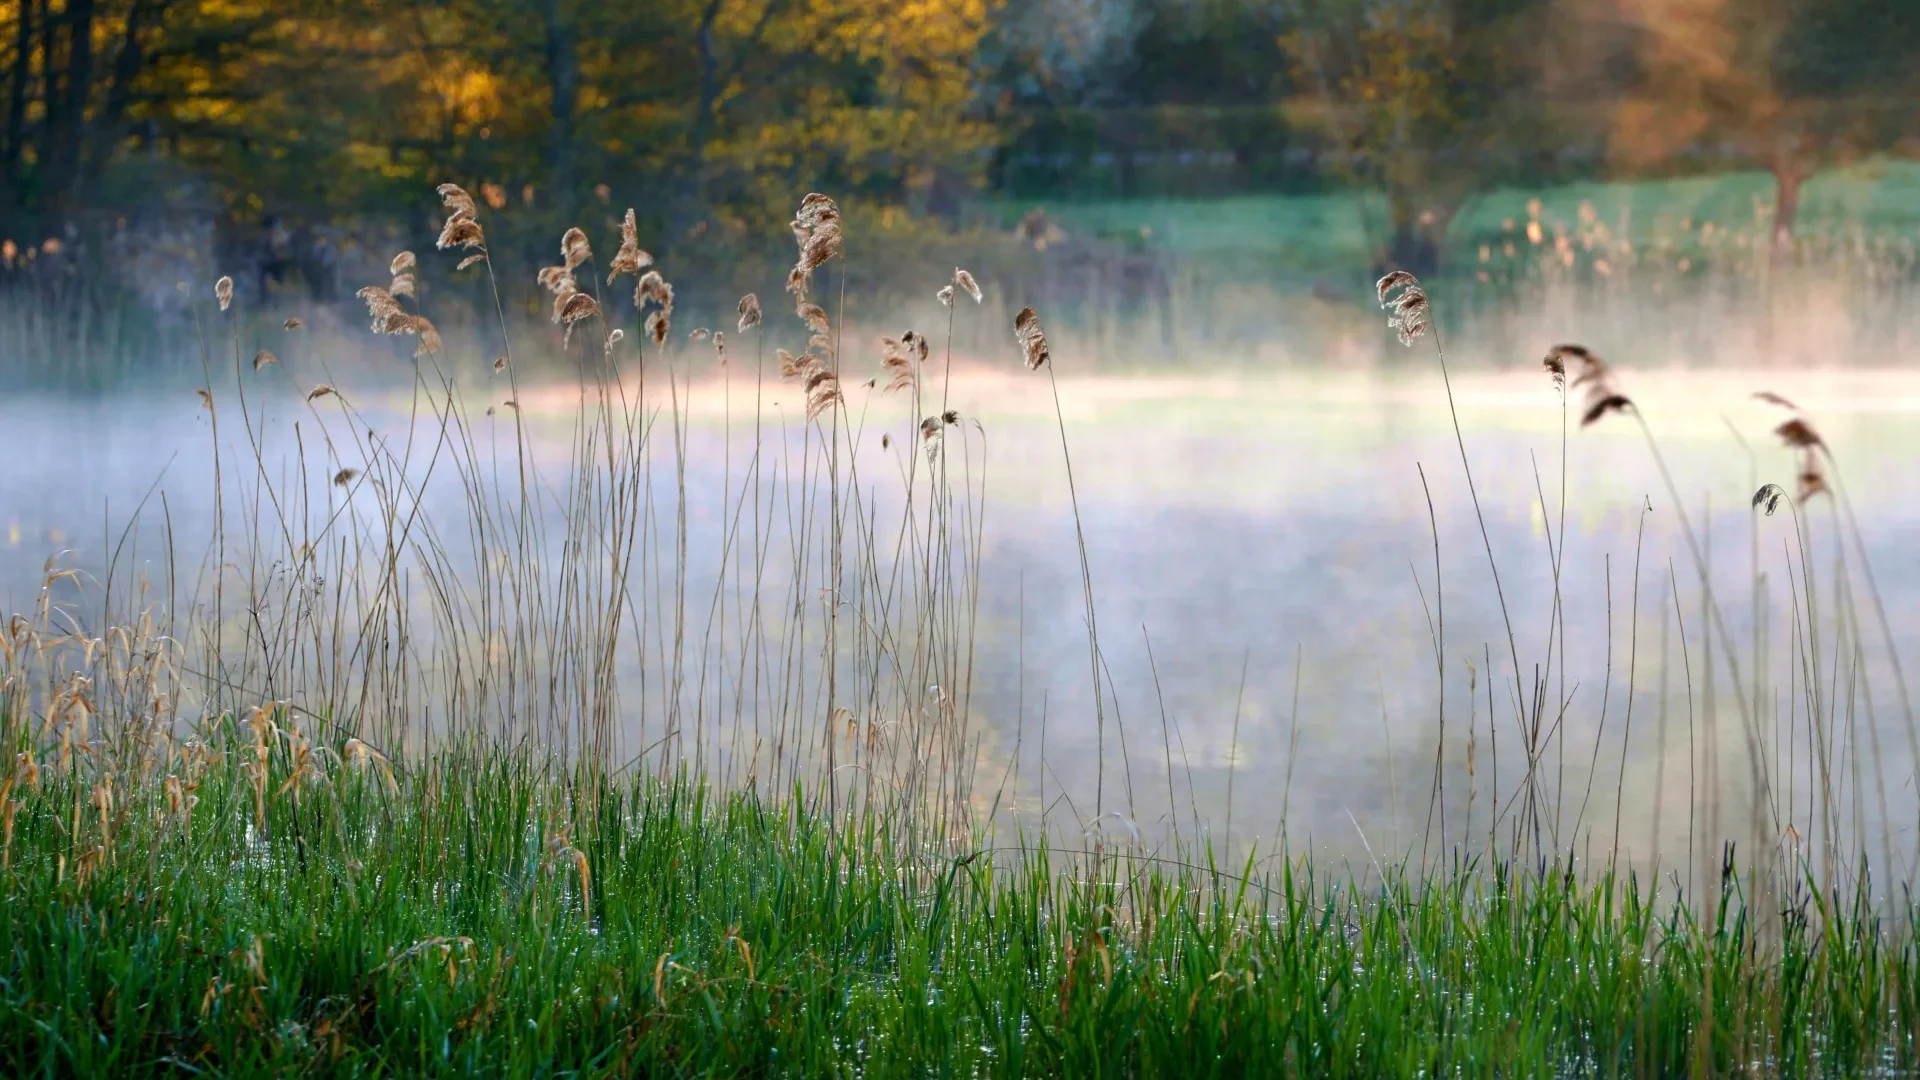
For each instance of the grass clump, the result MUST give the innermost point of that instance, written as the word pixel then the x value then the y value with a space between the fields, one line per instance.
pixel 474 915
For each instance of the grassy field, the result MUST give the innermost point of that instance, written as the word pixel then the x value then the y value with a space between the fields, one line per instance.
pixel 473 915
pixel 357 790
pixel 1322 234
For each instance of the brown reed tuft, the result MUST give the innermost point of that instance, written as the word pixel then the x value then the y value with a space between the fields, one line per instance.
pixel 499 364
pixel 1768 497
pixel 263 358
pixel 557 280
pixel 457 202
pixel 1798 435
pixel 966 284
pixel 345 477
pixel 320 391
pixel 461 233
pixel 788 367
pixel 1033 340
pixel 469 261
pixel 816 233
pixel 574 247
pixel 402 263
pixel 749 312
pixel 223 292
pixel 629 259
pixel 823 391
pixel 570 308
pixel 1602 397
pixel 206 399
pixel 652 288
pixel 946 295
pixel 1772 398
pixel 659 325
pixel 814 316
pixel 292 324
pixel 1405 301
pixel 700 334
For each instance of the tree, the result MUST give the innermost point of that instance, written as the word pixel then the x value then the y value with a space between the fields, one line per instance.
pixel 1415 96
pixel 1795 85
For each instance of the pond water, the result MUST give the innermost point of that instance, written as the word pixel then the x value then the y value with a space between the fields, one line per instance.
pixel 1268 539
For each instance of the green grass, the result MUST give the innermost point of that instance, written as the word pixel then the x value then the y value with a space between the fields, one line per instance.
pixel 1319 234
pixel 437 927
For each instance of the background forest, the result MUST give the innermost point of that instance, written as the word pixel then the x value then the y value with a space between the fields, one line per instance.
pixel 278 139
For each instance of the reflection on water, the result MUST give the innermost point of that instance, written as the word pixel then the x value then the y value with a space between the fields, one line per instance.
pixel 1253 542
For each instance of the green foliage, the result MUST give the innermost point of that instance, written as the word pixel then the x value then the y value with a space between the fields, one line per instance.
pixel 481 916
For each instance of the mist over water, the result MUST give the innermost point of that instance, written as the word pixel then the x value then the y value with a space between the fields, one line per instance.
pixel 1245 527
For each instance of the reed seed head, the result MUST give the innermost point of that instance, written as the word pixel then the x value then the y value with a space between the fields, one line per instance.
pixel 574 247
pixel 402 263
pixel 457 202
pixel 345 477
pixel 1768 498
pixel 263 358
pixel 1033 340
pixel 629 259
pixel 823 391
pixel 946 296
pixel 470 261
pixel 318 392
pixel 292 324
pixel 557 280
pixel 223 292
pixel 653 289
pixel 570 308
pixel 1772 398
pixel 461 232
pixel 499 364
pixel 700 334
pixel 1405 301
pixel 206 399
pixel 659 325
pixel 749 312
pixel 814 316
pixel 964 281
pixel 1798 434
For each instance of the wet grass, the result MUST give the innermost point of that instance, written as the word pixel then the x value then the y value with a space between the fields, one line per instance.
pixel 447 922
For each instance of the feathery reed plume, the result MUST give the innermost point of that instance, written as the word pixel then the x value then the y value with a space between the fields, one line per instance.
pixel 816 233
pixel 319 392
pixel 263 358
pixel 616 337
pixel 1602 397
pixel 345 477
pixel 1033 340
pixel 223 292
pixel 462 229
pixel 1799 436
pixel 946 296
pixel 557 280
pixel 659 325
pixel 886 442
pixel 823 391
pixel 896 362
pixel 1768 498
pixel 814 316
pixel 570 308
pixel 699 333
pixel 292 324
pixel 1405 301
pixel 457 202
pixel 499 364
pixel 574 247
pixel 462 233
pixel 206 399
pixel 720 345
pixel 629 259
pixel 653 289
pixel 469 261
pixel 402 263
pixel 788 368
pixel 1772 398
pixel 749 312
pixel 966 284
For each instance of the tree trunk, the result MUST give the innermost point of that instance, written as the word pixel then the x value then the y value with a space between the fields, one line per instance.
pixel 66 128
pixel 17 102
pixel 563 77
pixel 107 130
pixel 1788 175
